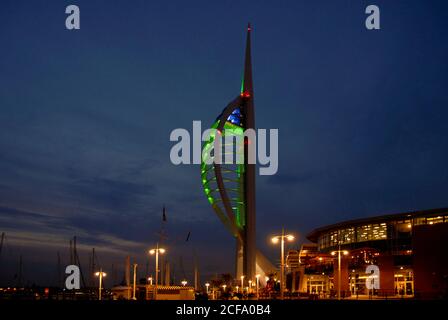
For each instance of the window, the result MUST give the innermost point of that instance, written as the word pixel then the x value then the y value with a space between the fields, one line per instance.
pixel 434 220
pixel 375 231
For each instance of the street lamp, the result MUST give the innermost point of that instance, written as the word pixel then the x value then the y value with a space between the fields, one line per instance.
pixel 258 283
pixel 237 289
pixel 339 252
pixel 250 286
pixel 150 280
pixel 184 282
pixel 242 284
pixel 157 251
pixel 100 274
pixel 281 238
pixel 224 286
pixel 135 281
pixel 206 287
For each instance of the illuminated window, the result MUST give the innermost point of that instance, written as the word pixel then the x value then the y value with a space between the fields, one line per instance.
pixel 347 235
pixel 375 231
pixel 434 220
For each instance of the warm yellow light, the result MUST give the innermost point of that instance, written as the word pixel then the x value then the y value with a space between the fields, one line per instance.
pixel 257 276
pixel 274 240
pixel 345 252
pixel 320 258
pixel 333 253
pixel 152 251
pixel 290 237
pixel 207 284
pixel 242 277
pixel 97 274
pixel 162 251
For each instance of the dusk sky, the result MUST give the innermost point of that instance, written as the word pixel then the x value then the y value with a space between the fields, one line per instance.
pixel 86 117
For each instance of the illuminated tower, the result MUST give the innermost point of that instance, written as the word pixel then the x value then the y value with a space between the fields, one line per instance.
pixel 230 188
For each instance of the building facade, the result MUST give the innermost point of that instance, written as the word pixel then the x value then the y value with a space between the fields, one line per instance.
pixel 410 250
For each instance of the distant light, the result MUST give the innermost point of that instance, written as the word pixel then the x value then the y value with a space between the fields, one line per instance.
pixel 274 240
pixel 162 250
pixel 333 253
pixel 345 252
pixel 290 237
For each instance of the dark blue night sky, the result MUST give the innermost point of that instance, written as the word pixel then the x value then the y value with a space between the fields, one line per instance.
pixel 86 117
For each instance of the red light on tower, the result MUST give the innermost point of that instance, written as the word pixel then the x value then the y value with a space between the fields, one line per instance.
pixel 245 94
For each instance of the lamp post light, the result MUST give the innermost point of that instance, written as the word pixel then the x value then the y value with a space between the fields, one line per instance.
pixel 242 283
pixel 157 251
pixel 237 289
pixel 206 287
pixel 338 252
pixel 275 240
pixel 258 284
pixel 184 282
pixel 224 286
pixel 150 280
pixel 250 286
pixel 100 274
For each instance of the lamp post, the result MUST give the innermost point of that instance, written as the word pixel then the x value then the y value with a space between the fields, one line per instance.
pixel 282 238
pixel 258 284
pixel 184 282
pixel 150 280
pixel 156 251
pixel 135 282
pixel 100 274
pixel 206 287
pixel 338 252
pixel 250 286
pixel 242 284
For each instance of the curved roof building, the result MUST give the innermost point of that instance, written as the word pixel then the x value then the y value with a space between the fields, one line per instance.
pixel 409 248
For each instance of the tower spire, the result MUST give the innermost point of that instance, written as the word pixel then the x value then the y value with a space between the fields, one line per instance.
pixel 246 86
